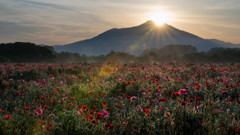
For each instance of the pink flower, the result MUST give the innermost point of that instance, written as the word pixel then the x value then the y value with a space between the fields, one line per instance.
pixel 80 111
pixel 139 107
pixel 218 110
pixel 39 111
pixel 105 113
pixel 179 79
pixel 124 124
pixel 182 91
pixel 160 108
pixel 224 92
pixel 147 77
pixel 132 98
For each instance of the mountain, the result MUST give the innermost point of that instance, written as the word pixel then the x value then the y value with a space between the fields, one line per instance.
pixel 136 39
pixel 225 44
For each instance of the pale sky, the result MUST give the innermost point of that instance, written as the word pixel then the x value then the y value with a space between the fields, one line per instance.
pixel 59 22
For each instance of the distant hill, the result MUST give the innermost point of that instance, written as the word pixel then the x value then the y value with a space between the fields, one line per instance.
pixel 225 44
pixel 136 39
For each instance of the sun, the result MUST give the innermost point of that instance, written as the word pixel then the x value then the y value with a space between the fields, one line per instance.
pixel 160 17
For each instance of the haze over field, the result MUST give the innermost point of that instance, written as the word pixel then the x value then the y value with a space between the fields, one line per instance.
pixel 60 22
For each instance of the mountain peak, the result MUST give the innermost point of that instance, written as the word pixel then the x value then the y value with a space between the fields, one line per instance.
pixel 149 22
pixel 152 23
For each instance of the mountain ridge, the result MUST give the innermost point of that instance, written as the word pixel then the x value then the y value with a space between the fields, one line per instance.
pixel 137 38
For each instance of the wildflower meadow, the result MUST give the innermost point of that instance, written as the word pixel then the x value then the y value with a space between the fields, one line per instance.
pixel 119 99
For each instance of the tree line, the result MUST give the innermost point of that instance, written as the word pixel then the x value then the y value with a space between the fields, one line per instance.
pixel 30 52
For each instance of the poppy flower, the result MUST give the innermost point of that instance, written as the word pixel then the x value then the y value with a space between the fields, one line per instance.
pixel 72 98
pixel 163 99
pixel 8 117
pixel 231 100
pixel 167 114
pixel 147 111
pixel 39 111
pixel 124 124
pixel 89 92
pixel 176 94
pixel 191 100
pixel 80 111
pixel 109 109
pixel 91 112
pixel 217 110
pixel 198 98
pixel 160 108
pixel 109 126
pixel 94 122
pixel 99 115
pixel 27 108
pixel 139 107
pixel 198 86
pixel 224 92
pixel 104 103
pixel 105 113
pixel 183 103
pixel 182 91
pixel 238 129
pixel 85 107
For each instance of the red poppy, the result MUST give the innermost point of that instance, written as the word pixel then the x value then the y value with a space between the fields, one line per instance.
pixel 231 100
pixel 49 127
pixel 91 112
pixel 167 114
pixel 176 94
pixel 85 107
pixel 163 99
pixel 224 92
pixel 191 100
pixel 8 117
pixel 183 103
pixel 147 111
pixel 198 86
pixel 27 108
pixel 150 90
pixel 238 129
pixel 104 103
pixel 198 98
pixel 72 98
pixel 99 115
pixel 109 126
pixel 109 109
pixel 95 122
pixel 89 92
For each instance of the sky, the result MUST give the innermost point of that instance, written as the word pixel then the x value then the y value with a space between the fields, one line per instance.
pixel 59 22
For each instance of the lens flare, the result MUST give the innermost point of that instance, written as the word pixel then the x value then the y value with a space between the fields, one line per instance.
pixel 160 17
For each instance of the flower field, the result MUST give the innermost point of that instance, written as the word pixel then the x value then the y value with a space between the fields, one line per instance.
pixel 119 99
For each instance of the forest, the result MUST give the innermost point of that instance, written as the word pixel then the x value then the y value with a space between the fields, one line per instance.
pixel 31 53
